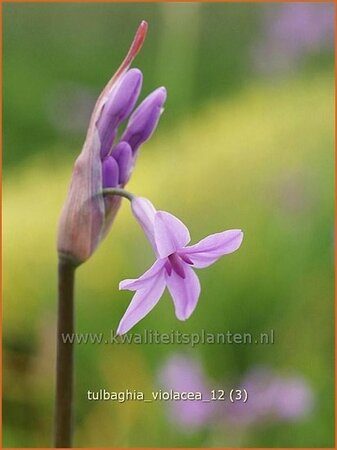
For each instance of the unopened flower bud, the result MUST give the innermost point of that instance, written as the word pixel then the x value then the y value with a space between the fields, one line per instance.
pixel 118 106
pixel 110 172
pixel 122 153
pixel 143 121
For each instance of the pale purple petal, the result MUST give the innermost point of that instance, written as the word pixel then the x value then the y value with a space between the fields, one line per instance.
pixel 118 106
pixel 210 249
pixel 184 291
pixel 123 155
pixel 147 277
pixel 142 303
pixel 170 233
pixel 144 120
pixel 145 213
pixel 110 172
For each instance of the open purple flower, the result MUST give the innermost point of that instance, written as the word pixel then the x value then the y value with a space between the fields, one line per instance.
pixel 174 265
pixel 292 31
pixel 103 163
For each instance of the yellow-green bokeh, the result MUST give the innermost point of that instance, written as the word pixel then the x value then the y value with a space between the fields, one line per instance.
pixel 260 159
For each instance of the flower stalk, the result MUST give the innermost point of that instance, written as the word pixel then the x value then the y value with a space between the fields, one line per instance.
pixel 118 191
pixel 87 214
pixel 65 355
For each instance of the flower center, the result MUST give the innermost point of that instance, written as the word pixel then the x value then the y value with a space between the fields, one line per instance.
pixel 175 263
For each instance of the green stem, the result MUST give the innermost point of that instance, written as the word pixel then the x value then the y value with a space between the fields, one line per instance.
pixel 118 191
pixel 65 356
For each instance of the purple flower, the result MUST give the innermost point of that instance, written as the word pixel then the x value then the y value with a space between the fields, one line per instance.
pixel 87 215
pixel 185 374
pixel 271 397
pixel 173 267
pixel 294 400
pixel 293 31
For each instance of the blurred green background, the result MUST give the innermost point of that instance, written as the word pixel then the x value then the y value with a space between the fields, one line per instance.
pixel 246 141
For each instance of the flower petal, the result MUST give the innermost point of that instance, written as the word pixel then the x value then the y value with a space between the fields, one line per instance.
pixel 210 249
pixel 184 291
pixel 145 279
pixel 142 303
pixel 145 213
pixel 170 234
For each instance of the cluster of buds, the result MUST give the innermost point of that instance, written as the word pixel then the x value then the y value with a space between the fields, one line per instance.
pixel 118 160
pixel 87 215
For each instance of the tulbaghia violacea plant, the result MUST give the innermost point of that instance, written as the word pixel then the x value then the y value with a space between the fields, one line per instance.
pixel 97 186
pixel 87 214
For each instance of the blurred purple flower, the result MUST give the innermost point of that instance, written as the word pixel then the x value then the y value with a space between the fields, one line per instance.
pixel 185 374
pixel 173 267
pixel 294 399
pixel 87 215
pixel 271 397
pixel 291 32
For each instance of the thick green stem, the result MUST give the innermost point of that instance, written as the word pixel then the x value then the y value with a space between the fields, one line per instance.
pixel 65 356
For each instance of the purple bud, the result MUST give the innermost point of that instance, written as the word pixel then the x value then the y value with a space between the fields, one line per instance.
pixel 110 172
pixel 143 121
pixel 122 153
pixel 118 106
